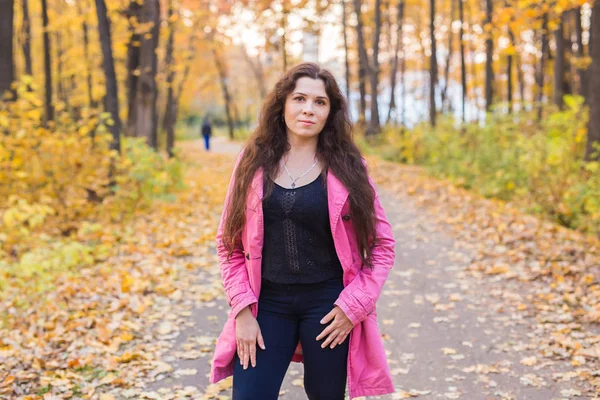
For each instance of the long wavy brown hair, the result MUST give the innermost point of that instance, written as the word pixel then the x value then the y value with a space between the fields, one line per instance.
pixel 336 151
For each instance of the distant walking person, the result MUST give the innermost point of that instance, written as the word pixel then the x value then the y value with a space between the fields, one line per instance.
pixel 206 132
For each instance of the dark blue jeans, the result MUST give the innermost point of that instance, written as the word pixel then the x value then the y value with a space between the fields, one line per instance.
pixel 286 314
pixel 206 142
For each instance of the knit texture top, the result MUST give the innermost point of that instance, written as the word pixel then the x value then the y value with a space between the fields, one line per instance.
pixel 298 246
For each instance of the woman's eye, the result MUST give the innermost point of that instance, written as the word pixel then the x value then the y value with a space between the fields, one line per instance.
pixel 299 98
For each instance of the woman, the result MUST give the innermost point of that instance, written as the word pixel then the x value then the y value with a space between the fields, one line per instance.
pixel 305 248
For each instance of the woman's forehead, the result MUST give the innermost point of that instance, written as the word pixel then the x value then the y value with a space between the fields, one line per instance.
pixel 310 87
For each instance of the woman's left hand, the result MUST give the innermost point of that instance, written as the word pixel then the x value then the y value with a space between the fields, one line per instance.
pixel 338 330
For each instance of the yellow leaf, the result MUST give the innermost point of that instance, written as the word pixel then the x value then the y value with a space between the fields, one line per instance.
pixel 126 283
pixel 104 334
pixel 529 361
pixel 127 357
pixel 298 382
pixel 109 378
pixel 498 269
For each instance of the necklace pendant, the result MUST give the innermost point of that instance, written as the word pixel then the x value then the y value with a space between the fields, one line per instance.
pixel 293 185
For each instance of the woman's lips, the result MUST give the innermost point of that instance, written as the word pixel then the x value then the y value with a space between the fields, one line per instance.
pixel 307 123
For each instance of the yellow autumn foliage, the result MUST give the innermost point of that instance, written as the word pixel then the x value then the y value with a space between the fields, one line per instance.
pixel 62 184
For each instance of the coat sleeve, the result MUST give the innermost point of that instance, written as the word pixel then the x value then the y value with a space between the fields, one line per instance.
pixel 233 272
pixel 358 298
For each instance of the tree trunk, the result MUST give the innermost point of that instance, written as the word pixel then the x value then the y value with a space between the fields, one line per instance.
pixel 445 99
pixel 559 62
pixel 582 72
pixel 235 115
pixel 26 32
pixel 432 64
pixel 542 66
pixel 61 94
pixel 225 89
pixel 7 65
pixel 394 69
pixel 509 82
pixel 463 65
pixel 147 92
pixel 133 65
pixel 520 77
pixel 489 54
pixel 284 16
pixel 509 67
pixel 374 124
pixel 346 60
pixel 183 79
pixel 169 122
pixel 422 66
pixel 257 70
pixel 112 97
pixel 592 151
pixel 567 87
pixel 49 115
pixel 402 76
pixel 363 61
pixel 473 66
pixel 86 54
pixel 389 50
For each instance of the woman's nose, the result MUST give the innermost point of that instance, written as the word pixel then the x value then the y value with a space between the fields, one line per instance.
pixel 307 109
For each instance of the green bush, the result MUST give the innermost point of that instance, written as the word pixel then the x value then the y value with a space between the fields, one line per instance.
pixel 511 157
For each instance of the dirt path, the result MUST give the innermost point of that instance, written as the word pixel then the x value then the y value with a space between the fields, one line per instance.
pixel 448 335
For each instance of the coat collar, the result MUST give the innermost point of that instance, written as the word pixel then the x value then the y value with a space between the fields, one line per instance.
pixel 336 190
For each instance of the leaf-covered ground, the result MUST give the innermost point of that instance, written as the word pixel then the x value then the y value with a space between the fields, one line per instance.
pixel 483 303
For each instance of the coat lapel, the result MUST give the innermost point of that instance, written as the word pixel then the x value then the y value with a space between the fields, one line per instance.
pixel 257 187
pixel 257 182
pixel 337 194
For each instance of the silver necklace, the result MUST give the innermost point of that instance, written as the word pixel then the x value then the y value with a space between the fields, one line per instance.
pixel 295 179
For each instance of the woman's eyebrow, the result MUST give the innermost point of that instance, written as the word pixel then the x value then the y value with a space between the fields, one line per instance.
pixel 318 97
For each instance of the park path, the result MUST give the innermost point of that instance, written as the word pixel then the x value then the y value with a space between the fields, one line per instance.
pixel 448 335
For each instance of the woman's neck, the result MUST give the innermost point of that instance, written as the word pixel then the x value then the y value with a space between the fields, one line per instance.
pixel 302 150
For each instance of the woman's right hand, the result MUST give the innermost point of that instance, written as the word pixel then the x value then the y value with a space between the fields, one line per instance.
pixel 247 334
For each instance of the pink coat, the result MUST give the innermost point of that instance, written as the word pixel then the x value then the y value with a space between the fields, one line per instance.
pixel 368 372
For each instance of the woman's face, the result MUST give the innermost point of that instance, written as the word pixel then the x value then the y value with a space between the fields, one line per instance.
pixel 306 108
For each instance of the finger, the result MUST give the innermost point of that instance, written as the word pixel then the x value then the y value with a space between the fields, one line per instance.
pixel 325 332
pixel 246 355
pixel 343 338
pixel 240 351
pixel 338 340
pixel 331 337
pixel 260 340
pixel 328 317
pixel 253 354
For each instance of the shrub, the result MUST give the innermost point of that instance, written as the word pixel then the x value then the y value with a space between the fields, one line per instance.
pixel 59 181
pixel 511 157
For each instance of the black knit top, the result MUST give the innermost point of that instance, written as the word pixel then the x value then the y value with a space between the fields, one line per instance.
pixel 298 246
